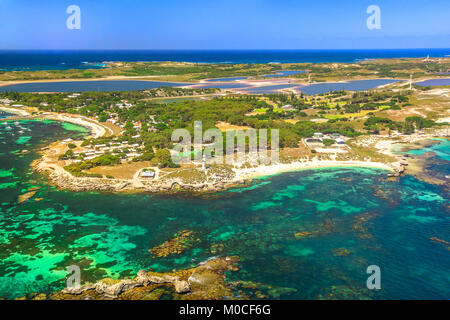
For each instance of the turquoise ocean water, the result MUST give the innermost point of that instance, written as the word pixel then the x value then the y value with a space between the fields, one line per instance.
pixel 355 217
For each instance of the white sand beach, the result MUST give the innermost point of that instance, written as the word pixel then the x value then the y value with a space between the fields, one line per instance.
pixel 260 171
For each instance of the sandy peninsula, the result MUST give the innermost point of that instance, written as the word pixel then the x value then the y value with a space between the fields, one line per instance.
pixel 221 180
pixel 214 180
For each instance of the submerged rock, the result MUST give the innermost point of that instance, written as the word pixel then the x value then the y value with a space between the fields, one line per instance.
pixel 440 241
pixel 343 292
pixel 302 234
pixel 182 241
pixel 341 252
pixel 24 197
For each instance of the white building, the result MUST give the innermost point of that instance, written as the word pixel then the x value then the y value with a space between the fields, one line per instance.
pixel 147 174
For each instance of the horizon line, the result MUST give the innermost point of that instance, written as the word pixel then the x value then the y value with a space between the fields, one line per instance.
pixel 305 49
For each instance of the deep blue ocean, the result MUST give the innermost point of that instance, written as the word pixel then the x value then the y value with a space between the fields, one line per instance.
pixel 46 60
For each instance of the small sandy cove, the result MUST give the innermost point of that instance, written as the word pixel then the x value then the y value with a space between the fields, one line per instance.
pixel 251 173
pixel 97 130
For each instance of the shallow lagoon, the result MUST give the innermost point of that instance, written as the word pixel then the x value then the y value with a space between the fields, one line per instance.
pixel 376 221
pixel 284 73
pixel 356 85
pixel 434 82
pixel 441 149
pixel 269 89
pixel 78 86
pixel 223 86
pixel 134 85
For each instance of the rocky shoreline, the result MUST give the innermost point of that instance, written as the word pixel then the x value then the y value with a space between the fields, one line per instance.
pixel 239 177
pixel 66 181
pixel 203 282
pixel 206 281
pixel 143 279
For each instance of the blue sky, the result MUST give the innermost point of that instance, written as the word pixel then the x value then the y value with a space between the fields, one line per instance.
pixel 224 24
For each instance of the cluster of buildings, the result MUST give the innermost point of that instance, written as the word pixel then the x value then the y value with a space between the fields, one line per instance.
pixel 288 107
pixel 124 105
pixel 74 95
pixel 114 119
pixel 8 102
pixel 115 147
pixel 318 137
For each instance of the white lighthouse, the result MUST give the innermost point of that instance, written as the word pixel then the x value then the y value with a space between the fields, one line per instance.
pixel 204 162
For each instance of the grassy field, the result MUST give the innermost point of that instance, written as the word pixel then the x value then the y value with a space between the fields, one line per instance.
pixel 124 171
pixel 360 114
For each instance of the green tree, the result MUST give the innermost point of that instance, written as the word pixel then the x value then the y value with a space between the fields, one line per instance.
pixel 164 159
pixel 328 142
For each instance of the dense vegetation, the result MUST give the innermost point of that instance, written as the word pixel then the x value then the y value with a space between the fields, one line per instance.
pixel 157 121
pixel 149 125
